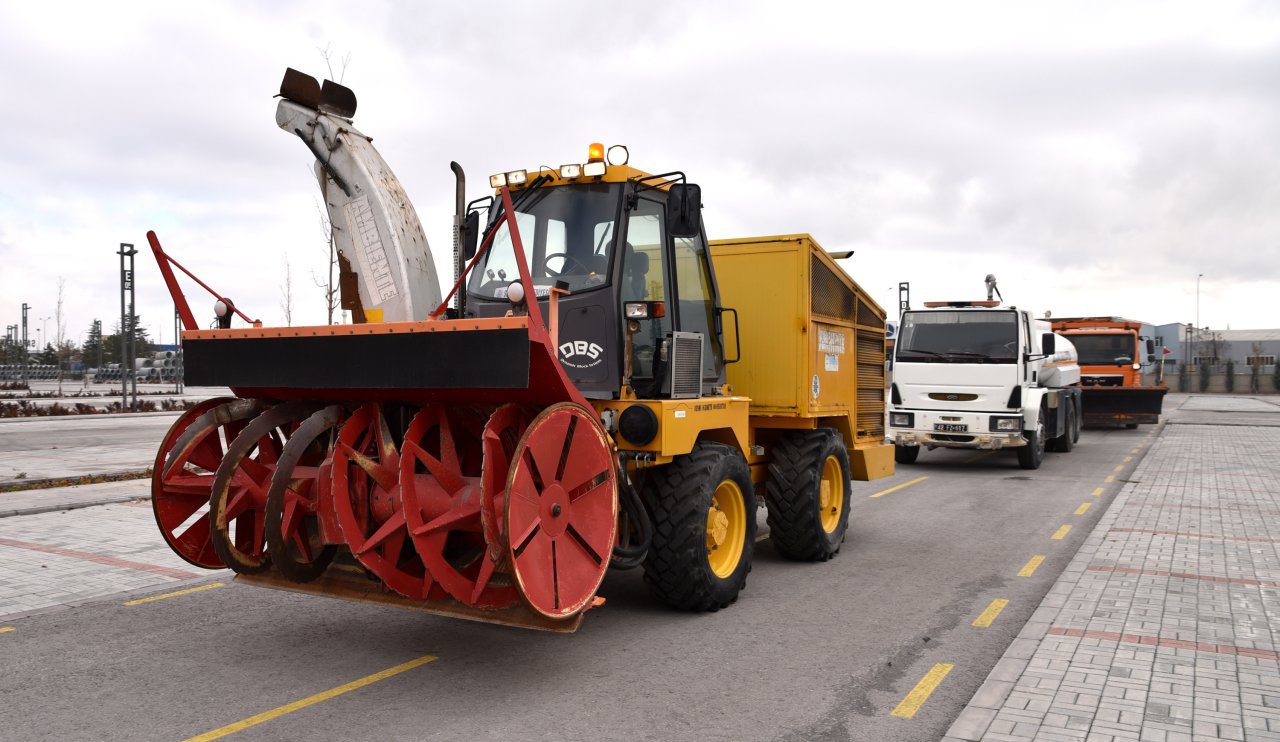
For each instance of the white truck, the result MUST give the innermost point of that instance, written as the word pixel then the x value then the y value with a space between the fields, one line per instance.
pixel 975 374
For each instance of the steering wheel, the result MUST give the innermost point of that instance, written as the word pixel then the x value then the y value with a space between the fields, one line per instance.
pixel 546 260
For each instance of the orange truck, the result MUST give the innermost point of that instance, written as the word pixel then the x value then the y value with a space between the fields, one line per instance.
pixel 1111 359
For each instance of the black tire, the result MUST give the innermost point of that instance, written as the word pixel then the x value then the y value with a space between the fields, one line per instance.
pixel 1130 426
pixel 1030 455
pixel 796 513
pixel 1075 429
pixel 680 495
pixel 906 454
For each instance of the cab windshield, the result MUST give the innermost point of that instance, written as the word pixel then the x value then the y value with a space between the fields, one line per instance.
pixel 1103 350
pixel 568 235
pixel 958 337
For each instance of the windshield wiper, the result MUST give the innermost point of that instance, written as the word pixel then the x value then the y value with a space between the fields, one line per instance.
pixel 922 352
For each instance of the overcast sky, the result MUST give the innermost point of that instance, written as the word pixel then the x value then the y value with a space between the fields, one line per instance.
pixel 1096 157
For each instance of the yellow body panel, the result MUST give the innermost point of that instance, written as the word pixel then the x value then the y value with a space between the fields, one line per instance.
pixel 813 349
pixel 683 422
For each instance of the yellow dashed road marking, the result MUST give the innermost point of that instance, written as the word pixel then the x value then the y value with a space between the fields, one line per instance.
pixel 1119 468
pixel 1099 491
pixel 1030 567
pixel 1084 507
pixel 1110 478
pixel 917 480
pixel 919 694
pixel 266 716
pixel 1061 533
pixel 6 629
pixel 175 594
pixel 984 620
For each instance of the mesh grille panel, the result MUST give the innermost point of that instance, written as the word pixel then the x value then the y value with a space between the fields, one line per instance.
pixel 830 296
pixel 686 365
pixel 871 382
pixel 867 316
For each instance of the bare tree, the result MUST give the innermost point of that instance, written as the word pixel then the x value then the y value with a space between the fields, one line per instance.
pixel 1255 367
pixel 286 294
pixel 327 54
pixel 60 332
pixel 330 290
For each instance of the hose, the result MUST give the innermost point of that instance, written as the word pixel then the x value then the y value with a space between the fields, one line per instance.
pixel 632 555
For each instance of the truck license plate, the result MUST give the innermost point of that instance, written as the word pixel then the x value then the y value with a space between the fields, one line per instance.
pixel 951 427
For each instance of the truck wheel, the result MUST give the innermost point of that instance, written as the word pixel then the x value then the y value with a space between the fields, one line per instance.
pixel 1030 455
pixel 906 454
pixel 808 495
pixel 1075 428
pixel 1130 426
pixel 704 528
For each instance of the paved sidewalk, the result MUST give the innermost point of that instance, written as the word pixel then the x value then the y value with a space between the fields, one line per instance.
pixel 31 502
pixel 1165 626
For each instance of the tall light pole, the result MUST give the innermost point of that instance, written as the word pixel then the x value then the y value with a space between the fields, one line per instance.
pixel 1198 277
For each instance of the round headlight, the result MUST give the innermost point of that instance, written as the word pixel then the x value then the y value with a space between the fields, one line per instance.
pixel 638 424
pixel 515 293
pixel 1137 367
pixel 220 308
pixel 618 155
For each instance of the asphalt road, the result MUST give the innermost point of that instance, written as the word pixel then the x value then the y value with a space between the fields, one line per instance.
pixel 810 651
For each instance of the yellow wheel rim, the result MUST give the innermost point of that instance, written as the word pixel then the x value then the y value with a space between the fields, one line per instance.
pixel 831 494
pixel 726 528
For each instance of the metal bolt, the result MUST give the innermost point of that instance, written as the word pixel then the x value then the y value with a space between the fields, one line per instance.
pixel 555 511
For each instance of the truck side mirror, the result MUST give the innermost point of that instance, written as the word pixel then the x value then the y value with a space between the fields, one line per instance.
pixel 684 210
pixel 471 236
pixel 1048 343
pixel 1151 350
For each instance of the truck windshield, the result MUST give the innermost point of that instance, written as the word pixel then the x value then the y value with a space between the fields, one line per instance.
pixel 567 233
pixel 1109 349
pixel 958 337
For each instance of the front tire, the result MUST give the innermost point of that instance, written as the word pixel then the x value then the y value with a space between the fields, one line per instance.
pixel 906 454
pixel 704 528
pixel 1030 455
pixel 808 495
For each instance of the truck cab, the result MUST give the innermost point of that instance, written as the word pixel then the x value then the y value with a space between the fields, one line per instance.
pixel 975 374
pixel 1112 355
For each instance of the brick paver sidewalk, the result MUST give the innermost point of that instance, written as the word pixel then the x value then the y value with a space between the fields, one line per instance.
pixel 1164 626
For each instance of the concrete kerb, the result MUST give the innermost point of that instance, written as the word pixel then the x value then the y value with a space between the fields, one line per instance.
pixel 981 710
pixel 142 592
pixel 104 415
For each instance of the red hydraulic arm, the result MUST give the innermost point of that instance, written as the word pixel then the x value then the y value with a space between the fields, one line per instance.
pixel 179 300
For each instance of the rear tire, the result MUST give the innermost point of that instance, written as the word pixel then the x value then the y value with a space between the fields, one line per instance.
pixel 808 495
pixel 710 486
pixel 1130 426
pixel 906 454
pixel 1030 455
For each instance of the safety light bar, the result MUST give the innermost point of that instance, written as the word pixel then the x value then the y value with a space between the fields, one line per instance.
pixel 570 171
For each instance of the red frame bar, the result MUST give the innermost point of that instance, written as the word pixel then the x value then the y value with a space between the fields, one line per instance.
pixel 179 299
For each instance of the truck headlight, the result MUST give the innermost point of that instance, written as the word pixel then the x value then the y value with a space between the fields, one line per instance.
pixel 901 419
pixel 1006 424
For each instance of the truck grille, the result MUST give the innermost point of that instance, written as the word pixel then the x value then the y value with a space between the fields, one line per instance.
pixel 1102 381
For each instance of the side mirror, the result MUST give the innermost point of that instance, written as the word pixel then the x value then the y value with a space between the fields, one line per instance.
pixel 1048 343
pixel 471 236
pixel 1151 347
pixel 684 210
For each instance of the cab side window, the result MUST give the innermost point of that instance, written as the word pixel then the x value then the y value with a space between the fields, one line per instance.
pixel 697 300
pixel 644 279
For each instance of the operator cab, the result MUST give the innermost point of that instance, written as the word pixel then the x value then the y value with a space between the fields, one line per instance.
pixel 631 263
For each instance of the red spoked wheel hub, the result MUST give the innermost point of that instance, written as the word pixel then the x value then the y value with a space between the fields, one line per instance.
pixel 366 503
pixel 183 473
pixel 442 501
pixel 561 510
